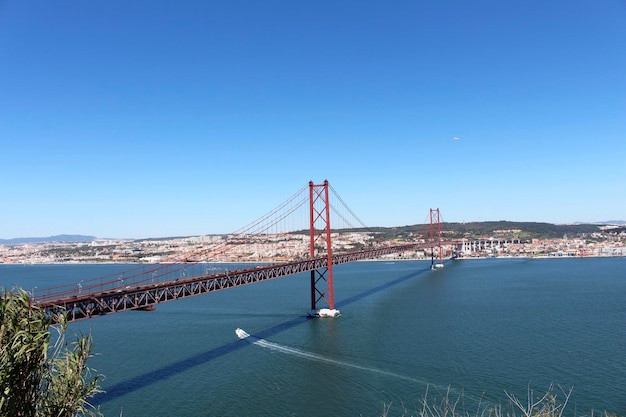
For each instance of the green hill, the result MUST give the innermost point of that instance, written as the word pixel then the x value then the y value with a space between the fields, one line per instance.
pixel 500 229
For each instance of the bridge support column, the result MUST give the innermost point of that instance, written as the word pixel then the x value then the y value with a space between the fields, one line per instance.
pixel 435 238
pixel 321 278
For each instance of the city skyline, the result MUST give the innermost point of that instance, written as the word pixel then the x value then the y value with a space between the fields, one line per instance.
pixel 67 238
pixel 155 119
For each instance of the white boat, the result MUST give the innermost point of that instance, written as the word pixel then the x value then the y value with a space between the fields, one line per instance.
pixel 324 312
pixel 242 334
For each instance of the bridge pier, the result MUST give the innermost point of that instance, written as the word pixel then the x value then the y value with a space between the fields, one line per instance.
pixel 435 237
pixel 322 278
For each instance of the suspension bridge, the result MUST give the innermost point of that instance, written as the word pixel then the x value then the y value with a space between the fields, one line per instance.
pixel 305 216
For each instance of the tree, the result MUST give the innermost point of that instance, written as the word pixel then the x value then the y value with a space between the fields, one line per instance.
pixel 37 378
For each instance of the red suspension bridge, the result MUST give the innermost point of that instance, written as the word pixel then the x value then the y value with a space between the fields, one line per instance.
pixel 201 271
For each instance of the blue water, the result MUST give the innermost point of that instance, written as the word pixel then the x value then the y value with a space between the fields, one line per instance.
pixel 479 327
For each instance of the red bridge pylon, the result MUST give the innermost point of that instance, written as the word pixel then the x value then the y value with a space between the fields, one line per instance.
pixel 435 238
pixel 322 278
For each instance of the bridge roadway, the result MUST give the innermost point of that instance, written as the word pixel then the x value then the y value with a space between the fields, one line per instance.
pixel 144 297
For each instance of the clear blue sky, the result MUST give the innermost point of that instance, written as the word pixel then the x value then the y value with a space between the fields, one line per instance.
pixel 151 118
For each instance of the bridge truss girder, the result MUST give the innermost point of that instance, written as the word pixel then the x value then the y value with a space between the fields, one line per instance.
pixel 142 297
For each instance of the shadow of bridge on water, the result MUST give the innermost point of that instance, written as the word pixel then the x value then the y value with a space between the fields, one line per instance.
pixel 158 375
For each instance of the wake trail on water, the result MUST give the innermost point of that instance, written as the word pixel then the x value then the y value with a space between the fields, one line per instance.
pixel 242 334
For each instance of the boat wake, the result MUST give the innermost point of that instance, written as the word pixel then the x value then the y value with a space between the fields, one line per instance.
pixel 242 334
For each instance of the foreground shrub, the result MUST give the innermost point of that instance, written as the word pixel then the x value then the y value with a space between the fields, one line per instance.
pixel 36 379
pixel 550 404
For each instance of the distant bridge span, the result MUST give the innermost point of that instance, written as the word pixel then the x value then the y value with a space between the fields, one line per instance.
pixel 145 297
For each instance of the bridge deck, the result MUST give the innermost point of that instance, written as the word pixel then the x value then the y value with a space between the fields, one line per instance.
pixel 100 302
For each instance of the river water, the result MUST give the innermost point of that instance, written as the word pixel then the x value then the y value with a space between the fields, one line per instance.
pixel 479 328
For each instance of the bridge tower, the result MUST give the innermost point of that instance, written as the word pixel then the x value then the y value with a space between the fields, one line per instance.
pixel 321 278
pixel 435 238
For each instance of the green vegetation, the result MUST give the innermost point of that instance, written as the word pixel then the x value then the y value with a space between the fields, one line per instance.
pixel 474 230
pixel 518 230
pixel 39 378
pixel 550 404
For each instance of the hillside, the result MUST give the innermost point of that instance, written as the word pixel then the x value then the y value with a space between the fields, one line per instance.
pixel 502 229
pixel 57 238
